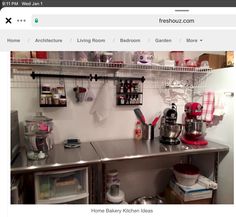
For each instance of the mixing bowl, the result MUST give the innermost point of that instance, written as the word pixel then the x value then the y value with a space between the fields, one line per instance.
pixel 171 131
pixel 148 200
pixel 186 174
pixel 195 128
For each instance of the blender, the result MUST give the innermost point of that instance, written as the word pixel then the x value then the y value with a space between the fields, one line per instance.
pixel 169 129
pixel 194 126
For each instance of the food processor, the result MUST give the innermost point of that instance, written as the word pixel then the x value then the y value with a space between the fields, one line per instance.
pixel 169 129
pixel 194 126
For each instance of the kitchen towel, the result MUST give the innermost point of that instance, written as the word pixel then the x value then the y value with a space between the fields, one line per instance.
pixel 208 106
pixel 219 105
pixel 103 103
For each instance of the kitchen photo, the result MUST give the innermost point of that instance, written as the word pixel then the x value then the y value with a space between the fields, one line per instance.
pixel 122 127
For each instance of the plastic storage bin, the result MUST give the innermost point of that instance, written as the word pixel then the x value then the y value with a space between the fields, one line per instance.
pixel 61 186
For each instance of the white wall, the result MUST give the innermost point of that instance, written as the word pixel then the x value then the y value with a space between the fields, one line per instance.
pixel 224 80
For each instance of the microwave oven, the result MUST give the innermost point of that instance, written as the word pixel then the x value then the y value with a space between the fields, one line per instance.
pixel 15 135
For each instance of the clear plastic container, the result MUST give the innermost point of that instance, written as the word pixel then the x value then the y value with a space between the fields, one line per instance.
pixel 192 63
pixel 66 186
pixel 143 57
pixel 82 56
pixel 69 55
pixel 178 56
pixel 54 55
pixel 106 57
pixel 122 57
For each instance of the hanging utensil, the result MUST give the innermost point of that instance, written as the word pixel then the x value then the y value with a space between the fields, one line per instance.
pixel 154 122
pixel 89 94
pixel 140 115
pixel 79 93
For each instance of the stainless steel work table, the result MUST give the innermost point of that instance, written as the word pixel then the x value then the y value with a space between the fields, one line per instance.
pixel 97 154
pixel 114 150
pixel 130 149
pixel 59 157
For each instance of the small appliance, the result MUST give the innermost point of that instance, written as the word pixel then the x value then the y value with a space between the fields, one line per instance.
pixel 169 129
pixel 15 135
pixel 194 132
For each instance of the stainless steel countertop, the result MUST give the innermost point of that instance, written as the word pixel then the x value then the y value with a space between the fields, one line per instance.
pixel 132 149
pixel 106 151
pixel 59 157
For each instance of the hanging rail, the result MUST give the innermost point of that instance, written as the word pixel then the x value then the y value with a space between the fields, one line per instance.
pixel 90 77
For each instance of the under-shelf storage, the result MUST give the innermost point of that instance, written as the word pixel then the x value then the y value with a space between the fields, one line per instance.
pixel 64 186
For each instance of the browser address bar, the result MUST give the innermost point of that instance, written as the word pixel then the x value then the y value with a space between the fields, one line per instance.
pixel 134 20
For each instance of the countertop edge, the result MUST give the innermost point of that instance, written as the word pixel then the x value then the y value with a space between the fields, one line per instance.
pixel 104 159
pixel 186 152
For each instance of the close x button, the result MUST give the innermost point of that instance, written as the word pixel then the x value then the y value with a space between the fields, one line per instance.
pixel 8 20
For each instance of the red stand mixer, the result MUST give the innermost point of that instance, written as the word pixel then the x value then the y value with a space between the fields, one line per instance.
pixel 194 126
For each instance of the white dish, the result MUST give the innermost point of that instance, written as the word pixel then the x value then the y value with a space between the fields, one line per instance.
pixel 186 179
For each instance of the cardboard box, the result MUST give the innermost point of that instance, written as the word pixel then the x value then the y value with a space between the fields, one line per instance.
pixel 215 61
pixel 229 58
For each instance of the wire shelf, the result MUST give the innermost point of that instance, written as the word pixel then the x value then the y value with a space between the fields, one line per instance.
pixel 101 65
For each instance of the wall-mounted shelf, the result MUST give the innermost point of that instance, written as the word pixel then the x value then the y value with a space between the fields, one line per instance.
pixel 102 65
pixel 129 92
pixel 52 96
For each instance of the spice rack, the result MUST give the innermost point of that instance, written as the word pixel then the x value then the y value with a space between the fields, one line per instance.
pixel 129 92
pixel 52 96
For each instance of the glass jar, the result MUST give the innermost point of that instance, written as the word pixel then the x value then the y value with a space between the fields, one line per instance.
pixel 62 100
pixel 56 98
pixel 38 136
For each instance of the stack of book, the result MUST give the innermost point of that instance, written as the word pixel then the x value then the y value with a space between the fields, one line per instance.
pixel 195 192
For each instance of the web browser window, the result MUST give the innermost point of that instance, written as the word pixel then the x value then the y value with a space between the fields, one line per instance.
pixel 117 111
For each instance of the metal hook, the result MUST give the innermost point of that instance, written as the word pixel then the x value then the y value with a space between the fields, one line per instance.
pixel 229 94
pixel 90 77
pixel 95 77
